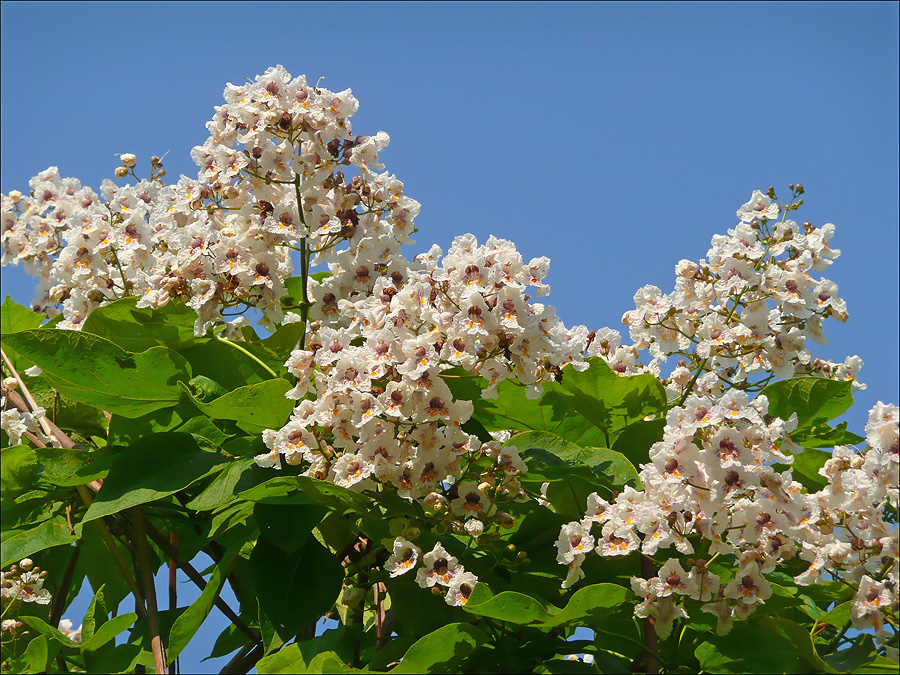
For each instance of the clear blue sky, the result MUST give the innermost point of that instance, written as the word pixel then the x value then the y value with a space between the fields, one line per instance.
pixel 614 138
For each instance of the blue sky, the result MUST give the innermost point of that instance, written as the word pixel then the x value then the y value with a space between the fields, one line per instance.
pixel 615 139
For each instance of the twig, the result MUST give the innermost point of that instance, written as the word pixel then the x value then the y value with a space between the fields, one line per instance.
pixel 143 552
pixel 244 661
pixel 195 576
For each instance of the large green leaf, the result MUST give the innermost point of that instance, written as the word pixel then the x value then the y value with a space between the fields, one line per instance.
pixel 797 639
pixel 108 631
pixel 261 405
pixel 609 465
pixel 137 329
pixel 816 400
pixel 154 467
pixel 64 467
pixel 589 408
pixel 221 490
pixel 228 366
pixel 806 467
pixel 14 317
pixel 305 490
pixel 443 650
pixel 586 605
pixel 637 438
pixel 288 526
pixel 17 470
pixel 188 623
pixel 18 544
pixel 97 372
pixel 294 589
pixel 614 400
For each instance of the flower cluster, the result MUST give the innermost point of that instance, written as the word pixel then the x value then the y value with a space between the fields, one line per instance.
pixel 24 583
pixel 439 568
pixel 271 175
pixel 714 478
pixel 16 424
pixel 744 312
pixel 374 404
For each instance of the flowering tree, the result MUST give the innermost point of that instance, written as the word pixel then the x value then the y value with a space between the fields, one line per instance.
pixel 416 448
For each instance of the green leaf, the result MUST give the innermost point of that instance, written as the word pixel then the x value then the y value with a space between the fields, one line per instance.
pixel 588 604
pixel 513 410
pixel 221 489
pixel 609 465
pixel 14 317
pixel 18 544
pixel 108 631
pixel 261 405
pixel 17 470
pixel 621 399
pixel 284 340
pixel 879 666
pixel 48 631
pixel 188 623
pixel 513 607
pixel 288 527
pixel 294 589
pixel 95 616
pixel 154 467
pixel 443 650
pixel 206 389
pixel 306 490
pixel 226 365
pixel 97 372
pixel 64 467
pixel 203 427
pixel 138 329
pixel 37 656
pixel 838 615
pixel 637 438
pixel 824 436
pixel 806 467
pixel 797 638
pixel 814 399
pixel 122 659
pixel 739 652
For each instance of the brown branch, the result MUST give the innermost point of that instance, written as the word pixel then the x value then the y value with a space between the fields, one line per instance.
pixel 143 551
pixel 195 576
pixel 245 659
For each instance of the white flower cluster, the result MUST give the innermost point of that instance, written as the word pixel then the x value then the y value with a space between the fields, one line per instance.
pixel 24 583
pixel 746 310
pixel 439 568
pixel 270 177
pixel 374 407
pixel 713 477
pixel 16 423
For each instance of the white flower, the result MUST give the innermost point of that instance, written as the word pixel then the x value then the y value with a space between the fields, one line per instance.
pixel 440 568
pixel 65 627
pixel 460 589
pixel 404 557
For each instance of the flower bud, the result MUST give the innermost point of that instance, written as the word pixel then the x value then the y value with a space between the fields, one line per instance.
pixel 121 172
pixel 26 564
pixel 505 520
pixel 128 160
pixel 15 195
pixel 474 527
